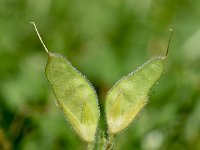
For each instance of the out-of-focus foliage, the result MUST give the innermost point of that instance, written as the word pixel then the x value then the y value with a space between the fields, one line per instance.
pixel 104 39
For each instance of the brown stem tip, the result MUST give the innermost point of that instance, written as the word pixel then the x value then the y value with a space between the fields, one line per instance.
pixel 170 37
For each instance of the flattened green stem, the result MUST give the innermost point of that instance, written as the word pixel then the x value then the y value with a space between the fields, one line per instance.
pixel 170 37
pixel 40 37
pixel 101 141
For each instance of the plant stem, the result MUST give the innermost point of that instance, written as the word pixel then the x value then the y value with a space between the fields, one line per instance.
pixel 90 146
pixel 110 141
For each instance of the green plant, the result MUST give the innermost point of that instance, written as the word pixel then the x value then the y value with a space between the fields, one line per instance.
pixel 78 101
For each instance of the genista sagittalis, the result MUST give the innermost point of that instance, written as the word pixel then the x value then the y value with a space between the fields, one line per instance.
pixel 78 100
pixel 129 95
pixel 75 95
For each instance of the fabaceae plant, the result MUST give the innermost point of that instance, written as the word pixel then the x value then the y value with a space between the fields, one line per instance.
pixel 78 101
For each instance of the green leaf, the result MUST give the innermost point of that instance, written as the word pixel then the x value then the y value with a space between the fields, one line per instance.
pixel 75 96
pixel 129 95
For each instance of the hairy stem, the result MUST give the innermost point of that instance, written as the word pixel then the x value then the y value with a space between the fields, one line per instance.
pixel 90 146
pixel 110 142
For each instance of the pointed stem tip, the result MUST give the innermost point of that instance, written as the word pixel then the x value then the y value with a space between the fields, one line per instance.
pixel 170 37
pixel 40 37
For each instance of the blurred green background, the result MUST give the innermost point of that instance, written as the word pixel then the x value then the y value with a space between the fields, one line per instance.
pixel 104 39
